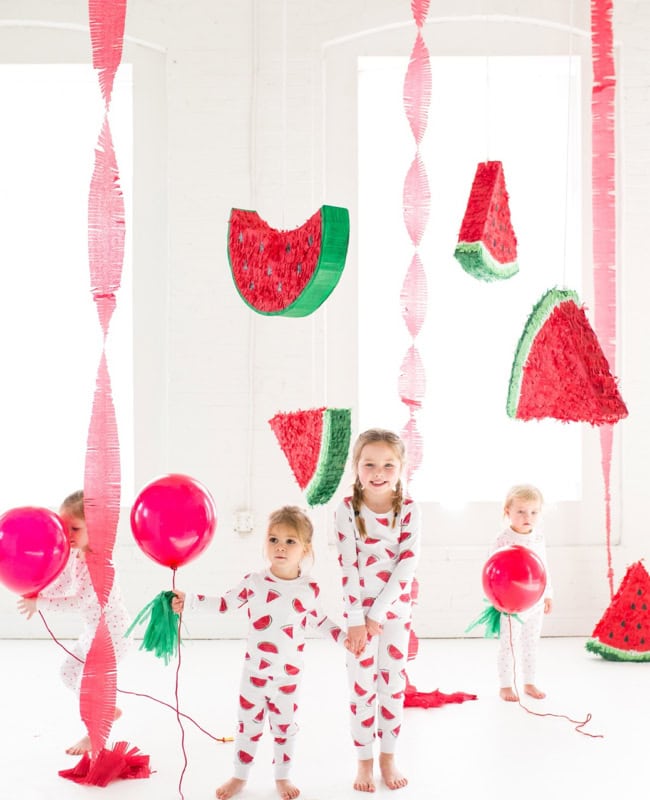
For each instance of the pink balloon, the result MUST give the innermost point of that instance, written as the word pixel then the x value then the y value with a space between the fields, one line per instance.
pixel 34 548
pixel 173 519
pixel 514 579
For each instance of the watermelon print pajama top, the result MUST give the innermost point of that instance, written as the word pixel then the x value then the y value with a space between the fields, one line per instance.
pixel 73 591
pixel 278 612
pixel 377 575
pixel 525 634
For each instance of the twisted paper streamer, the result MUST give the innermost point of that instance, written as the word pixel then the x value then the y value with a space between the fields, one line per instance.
pixel 106 224
pixel 603 166
pixel 416 201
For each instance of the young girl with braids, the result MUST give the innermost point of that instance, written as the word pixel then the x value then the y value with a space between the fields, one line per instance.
pixel 378 539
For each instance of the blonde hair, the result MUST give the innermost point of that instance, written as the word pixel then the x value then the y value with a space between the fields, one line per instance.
pixel 375 436
pixel 295 518
pixel 74 505
pixel 522 491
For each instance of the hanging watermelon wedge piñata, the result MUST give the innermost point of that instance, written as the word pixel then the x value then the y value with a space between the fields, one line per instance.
pixel 287 273
pixel 316 444
pixel 559 369
pixel 623 633
pixel 487 245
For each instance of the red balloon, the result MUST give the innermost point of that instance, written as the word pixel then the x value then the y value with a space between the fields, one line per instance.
pixel 173 519
pixel 34 548
pixel 514 579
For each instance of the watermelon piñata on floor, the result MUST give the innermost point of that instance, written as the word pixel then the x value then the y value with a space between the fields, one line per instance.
pixel 487 245
pixel 316 444
pixel 559 370
pixel 287 273
pixel 623 633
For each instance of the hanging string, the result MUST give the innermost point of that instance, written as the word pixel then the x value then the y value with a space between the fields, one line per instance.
pixel 579 724
pixel 569 119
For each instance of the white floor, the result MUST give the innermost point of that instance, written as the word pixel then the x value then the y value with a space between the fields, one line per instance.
pixel 484 748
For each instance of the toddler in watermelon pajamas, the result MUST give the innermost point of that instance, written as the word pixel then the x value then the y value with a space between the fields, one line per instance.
pixel 73 591
pixel 522 508
pixel 378 539
pixel 281 603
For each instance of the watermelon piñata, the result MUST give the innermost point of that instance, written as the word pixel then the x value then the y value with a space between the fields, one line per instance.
pixel 287 273
pixel 559 369
pixel 316 444
pixel 487 245
pixel 623 633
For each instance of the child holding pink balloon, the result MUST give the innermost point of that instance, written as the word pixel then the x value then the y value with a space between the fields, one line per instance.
pixel 522 510
pixel 282 601
pixel 73 591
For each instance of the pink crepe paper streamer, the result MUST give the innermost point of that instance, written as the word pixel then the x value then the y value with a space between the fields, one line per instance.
pixel 419 9
pixel 106 227
pixel 603 165
pixel 106 232
pixel 106 19
pixel 416 202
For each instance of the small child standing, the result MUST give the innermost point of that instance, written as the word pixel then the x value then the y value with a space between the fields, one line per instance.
pixel 281 601
pixel 522 509
pixel 73 591
pixel 378 538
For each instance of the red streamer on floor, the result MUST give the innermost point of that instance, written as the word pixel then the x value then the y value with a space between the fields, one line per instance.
pixel 579 724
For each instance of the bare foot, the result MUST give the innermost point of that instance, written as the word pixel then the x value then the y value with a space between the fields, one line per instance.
pixel 393 778
pixel 365 781
pixel 508 693
pixel 82 746
pixel 533 691
pixel 286 789
pixel 230 788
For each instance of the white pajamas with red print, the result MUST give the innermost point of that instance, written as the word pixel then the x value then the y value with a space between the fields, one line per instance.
pixel 73 591
pixel 377 575
pixel 279 612
pixel 525 634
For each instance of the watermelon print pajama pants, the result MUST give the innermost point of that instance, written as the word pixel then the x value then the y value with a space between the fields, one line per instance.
pixel 377 681
pixel 525 641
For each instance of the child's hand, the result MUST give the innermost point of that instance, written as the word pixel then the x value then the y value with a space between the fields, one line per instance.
pixel 27 606
pixel 178 602
pixel 348 646
pixel 373 627
pixel 357 638
pixel 548 605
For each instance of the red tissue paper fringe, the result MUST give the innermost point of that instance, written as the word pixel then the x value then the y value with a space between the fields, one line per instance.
pixel 120 763
pixel 412 380
pixel 416 200
pixel 99 687
pixel 299 434
pixel 413 297
pixel 106 20
pixel 417 89
pixel 420 9
pixel 434 699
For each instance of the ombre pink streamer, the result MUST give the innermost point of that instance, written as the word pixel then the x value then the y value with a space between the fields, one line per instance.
pixel 413 297
pixel 417 89
pixel 106 227
pixel 416 200
pixel 106 19
pixel 604 218
pixel 420 9
pixel 416 203
pixel 106 233
pixel 412 381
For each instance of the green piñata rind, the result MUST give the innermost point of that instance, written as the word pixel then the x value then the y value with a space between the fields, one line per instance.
pixel 335 444
pixel 476 260
pixel 614 654
pixel 538 317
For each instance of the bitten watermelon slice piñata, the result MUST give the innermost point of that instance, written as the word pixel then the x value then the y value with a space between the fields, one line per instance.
pixel 559 369
pixel 316 444
pixel 287 273
pixel 623 633
pixel 487 245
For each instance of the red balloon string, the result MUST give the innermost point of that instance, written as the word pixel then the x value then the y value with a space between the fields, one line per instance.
pixel 579 724
pixel 178 715
pixel 139 694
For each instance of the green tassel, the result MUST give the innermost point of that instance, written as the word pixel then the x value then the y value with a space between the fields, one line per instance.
pixel 161 634
pixel 491 618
